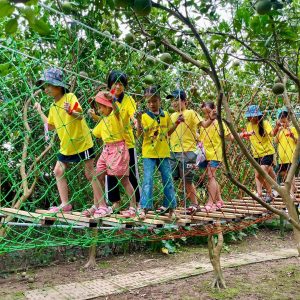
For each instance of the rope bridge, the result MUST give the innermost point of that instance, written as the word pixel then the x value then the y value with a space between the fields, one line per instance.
pixel 28 153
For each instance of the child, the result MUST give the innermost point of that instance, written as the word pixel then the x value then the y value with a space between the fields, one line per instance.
pixel 286 137
pixel 210 137
pixel 117 82
pixel 260 133
pixel 156 125
pixel 183 143
pixel 114 159
pixel 76 143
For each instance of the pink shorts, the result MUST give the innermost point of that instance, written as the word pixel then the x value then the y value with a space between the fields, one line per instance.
pixel 114 159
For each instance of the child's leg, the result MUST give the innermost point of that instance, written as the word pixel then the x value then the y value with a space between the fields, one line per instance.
pixel 167 180
pixel 258 183
pixel 191 192
pixel 268 187
pixel 129 190
pixel 90 174
pixel 61 181
pixel 147 189
pixel 212 185
pixel 133 173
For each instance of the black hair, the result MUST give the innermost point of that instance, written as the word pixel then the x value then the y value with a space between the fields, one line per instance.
pixel 116 76
pixel 261 129
pixel 209 104
pixel 283 114
pixel 152 90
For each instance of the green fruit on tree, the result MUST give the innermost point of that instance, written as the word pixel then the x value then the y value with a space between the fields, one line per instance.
pixel 263 6
pixel 278 88
pixel 129 38
pixel 124 3
pixel 68 7
pixel 142 7
pixel 151 45
pixel 150 60
pixel 277 79
pixel 236 63
pixel 107 33
pixel 166 58
pixel 149 79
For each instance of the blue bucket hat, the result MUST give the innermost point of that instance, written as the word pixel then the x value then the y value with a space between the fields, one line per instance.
pixel 54 77
pixel 280 111
pixel 253 111
pixel 180 94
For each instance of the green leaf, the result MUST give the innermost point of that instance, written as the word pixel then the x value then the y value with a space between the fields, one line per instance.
pixel 28 14
pixel 41 27
pixel 6 9
pixel 31 2
pixel 11 26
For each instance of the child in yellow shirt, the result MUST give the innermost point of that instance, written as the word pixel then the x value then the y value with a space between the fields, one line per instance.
pixel 156 126
pixel 76 144
pixel 286 136
pixel 260 133
pixel 114 159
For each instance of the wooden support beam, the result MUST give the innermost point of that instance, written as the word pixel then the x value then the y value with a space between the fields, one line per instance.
pixel 27 216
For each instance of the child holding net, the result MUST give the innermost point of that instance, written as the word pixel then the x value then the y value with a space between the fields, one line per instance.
pixel 286 137
pixel 156 126
pixel 114 159
pixel 76 144
pixel 260 133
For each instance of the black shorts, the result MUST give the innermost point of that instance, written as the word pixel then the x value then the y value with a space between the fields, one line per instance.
pixel 267 160
pixel 283 167
pixel 75 158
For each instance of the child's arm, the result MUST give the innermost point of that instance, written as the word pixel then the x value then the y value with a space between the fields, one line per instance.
pixel 177 122
pixel 277 128
pixel 93 115
pixel 138 116
pixel 38 108
pixel 76 113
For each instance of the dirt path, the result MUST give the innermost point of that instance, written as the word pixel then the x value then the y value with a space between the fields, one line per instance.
pixel 14 286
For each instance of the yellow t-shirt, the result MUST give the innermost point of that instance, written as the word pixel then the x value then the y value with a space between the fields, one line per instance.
pixel 74 134
pixel 184 138
pixel 210 137
pixel 110 129
pixel 286 146
pixel 261 145
pixel 127 109
pixel 155 142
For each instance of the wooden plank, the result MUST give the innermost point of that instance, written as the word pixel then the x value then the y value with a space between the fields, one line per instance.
pixel 28 216
pixel 215 214
pixel 70 218
pixel 243 211
pixel 253 206
pixel 181 221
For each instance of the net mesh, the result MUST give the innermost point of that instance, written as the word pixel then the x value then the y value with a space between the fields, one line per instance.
pixel 29 154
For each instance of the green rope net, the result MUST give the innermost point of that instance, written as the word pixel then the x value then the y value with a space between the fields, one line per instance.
pixel 27 158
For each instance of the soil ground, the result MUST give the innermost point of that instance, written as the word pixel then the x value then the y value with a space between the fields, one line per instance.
pixel 269 280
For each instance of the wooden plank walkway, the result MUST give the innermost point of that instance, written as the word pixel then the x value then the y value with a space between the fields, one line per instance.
pixel 233 211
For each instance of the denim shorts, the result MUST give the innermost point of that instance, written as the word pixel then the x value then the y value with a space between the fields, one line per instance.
pixel 267 160
pixel 211 163
pixel 180 159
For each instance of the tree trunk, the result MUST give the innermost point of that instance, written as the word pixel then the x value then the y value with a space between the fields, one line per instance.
pixel 91 264
pixel 214 250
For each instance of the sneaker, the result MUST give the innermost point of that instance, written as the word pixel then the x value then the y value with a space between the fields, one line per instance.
pixel 275 193
pixel 61 208
pixel 268 199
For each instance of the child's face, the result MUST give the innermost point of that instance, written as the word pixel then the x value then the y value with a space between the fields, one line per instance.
pixel 53 91
pixel 119 88
pixel 284 121
pixel 103 109
pixel 178 105
pixel 153 103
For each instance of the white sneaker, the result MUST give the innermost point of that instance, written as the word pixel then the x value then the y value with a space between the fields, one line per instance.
pixel 275 193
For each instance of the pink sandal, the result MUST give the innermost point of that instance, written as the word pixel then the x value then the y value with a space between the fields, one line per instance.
pixel 141 214
pixel 220 204
pixel 90 211
pixel 61 208
pixel 130 213
pixel 209 207
pixel 102 211
pixel 193 209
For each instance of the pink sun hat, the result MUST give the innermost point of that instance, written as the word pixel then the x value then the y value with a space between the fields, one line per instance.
pixel 102 98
